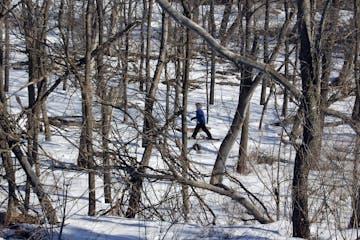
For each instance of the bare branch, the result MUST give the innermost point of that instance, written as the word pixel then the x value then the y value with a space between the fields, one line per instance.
pixel 346 119
pixel 236 196
pixel 231 56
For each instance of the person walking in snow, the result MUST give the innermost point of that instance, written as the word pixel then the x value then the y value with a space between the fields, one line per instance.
pixel 200 122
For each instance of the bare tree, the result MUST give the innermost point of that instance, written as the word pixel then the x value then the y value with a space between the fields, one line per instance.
pixel 86 151
pixel 244 97
pixel 149 125
pixel 212 28
pixel 35 30
pixel 6 151
pixel 249 49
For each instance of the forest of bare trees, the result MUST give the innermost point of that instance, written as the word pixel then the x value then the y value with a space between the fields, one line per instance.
pixel 118 54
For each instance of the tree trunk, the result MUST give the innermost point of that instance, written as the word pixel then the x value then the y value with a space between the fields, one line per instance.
pixel 31 37
pixel 225 21
pixel 266 51
pixel 126 65
pixel 35 36
pixel 185 90
pixel 287 63
pixel 7 130
pixel 308 151
pixel 226 145
pixel 149 125
pixel 142 49
pixel 2 88
pixel 86 152
pixel 10 177
pixel 213 56
pixel 246 76
pixel 4 146
pixel 178 68
pixel 241 166
pixel 107 98
pixel 355 218
pixel 7 48
pixel 147 77
pixel 148 44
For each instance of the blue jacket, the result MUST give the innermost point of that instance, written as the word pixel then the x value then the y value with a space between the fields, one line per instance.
pixel 200 116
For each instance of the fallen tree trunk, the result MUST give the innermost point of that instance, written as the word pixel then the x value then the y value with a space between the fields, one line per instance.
pixel 236 196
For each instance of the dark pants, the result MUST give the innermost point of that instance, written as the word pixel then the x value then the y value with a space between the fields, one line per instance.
pixel 203 127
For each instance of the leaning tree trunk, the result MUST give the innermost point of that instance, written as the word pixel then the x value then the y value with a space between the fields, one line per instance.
pixel 7 128
pixel 226 145
pixel 35 29
pixel 32 116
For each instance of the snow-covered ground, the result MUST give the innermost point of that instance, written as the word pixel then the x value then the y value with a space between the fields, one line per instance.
pixel 71 186
pixel 68 187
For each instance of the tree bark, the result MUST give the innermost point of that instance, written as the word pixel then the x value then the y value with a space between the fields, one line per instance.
pixel 142 49
pixel 7 48
pixel 185 90
pixel 10 177
pixel 241 165
pixel 35 37
pixel 225 21
pixel 266 50
pixel 246 81
pixel 308 151
pixel 226 145
pixel 86 152
pixel 213 56
pixel 2 88
pixel 149 125
pixel 147 63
